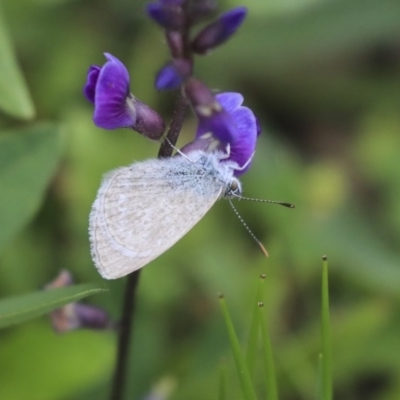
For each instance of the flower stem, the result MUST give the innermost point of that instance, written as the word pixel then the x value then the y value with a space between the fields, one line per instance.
pixel 125 333
pixel 175 127
pixel 129 305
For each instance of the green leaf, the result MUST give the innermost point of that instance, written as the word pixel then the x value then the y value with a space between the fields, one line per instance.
pixel 14 96
pixel 15 310
pixel 28 159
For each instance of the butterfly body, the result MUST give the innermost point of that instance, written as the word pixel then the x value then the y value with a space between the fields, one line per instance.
pixel 142 210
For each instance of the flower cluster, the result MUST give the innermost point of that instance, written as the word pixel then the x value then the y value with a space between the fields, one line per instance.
pixel 223 123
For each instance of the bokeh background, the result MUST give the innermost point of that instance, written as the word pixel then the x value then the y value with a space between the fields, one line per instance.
pixel 324 78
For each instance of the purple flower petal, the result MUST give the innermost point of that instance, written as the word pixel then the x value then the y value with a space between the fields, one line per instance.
pixel 168 14
pixel 91 81
pixel 243 147
pixel 230 100
pixel 157 13
pixel 232 19
pixel 220 124
pixel 113 107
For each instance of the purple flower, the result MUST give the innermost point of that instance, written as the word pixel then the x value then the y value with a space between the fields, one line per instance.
pixel 243 145
pixel 235 126
pixel 76 315
pixel 107 87
pixel 219 31
pixel 212 116
pixel 167 13
pixel 224 124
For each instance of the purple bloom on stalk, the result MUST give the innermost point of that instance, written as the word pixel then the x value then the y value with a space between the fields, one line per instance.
pixel 224 124
pixel 167 13
pixel 107 87
pixel 219 31
pixel 243 145
pixel 241 124
pixel 212 116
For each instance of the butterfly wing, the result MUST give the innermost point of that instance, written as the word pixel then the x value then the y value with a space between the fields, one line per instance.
pixel 142 210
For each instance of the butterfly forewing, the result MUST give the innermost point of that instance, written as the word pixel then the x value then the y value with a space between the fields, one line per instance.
pixel 142 210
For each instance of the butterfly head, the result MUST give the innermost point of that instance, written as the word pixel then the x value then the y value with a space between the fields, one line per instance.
pixel 234 188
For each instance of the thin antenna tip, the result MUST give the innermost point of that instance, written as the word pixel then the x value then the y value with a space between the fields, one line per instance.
pixel 289 205
pixel 263 249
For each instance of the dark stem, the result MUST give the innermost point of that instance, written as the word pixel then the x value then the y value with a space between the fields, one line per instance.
pixel 124 339
pixel 175 127
pixel 128 311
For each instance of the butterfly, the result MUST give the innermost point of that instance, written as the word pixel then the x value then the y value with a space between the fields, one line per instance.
pixel 143 209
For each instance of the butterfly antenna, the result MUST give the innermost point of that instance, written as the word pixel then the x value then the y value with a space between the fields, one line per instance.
pixel 280 203
pixel 178 150
pixel 263 249
pixel 169 142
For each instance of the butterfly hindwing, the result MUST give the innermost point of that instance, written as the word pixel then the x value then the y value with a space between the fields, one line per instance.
pixel 142 210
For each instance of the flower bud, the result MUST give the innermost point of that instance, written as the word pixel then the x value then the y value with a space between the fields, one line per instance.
pixel 173 74
pixel 167 13
pixel 201 98
pixel 219 31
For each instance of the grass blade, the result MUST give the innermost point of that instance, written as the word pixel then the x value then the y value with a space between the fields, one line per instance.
pixel 270 375
pixel 222 395
pixel 319 377
pixel 244 375
pixel 326 335
pixel 255 327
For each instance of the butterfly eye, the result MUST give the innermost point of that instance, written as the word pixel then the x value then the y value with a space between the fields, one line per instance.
pixel 234 187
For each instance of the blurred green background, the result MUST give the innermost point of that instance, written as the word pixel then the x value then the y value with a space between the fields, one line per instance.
pixel 324 78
